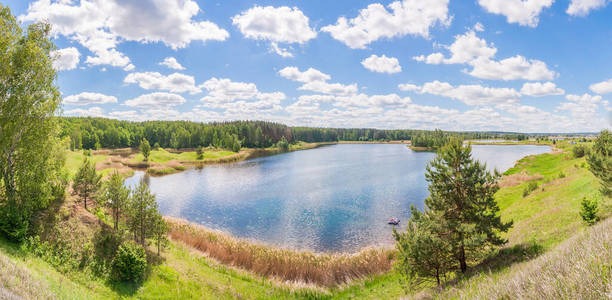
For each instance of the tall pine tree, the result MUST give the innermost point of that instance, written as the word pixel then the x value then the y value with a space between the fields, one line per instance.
pixel 462 194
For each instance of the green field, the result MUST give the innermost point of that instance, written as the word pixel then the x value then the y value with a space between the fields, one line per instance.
pixel 163 156
pixel 544 219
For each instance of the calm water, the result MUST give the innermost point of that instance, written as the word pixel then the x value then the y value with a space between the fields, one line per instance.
pixel 334 198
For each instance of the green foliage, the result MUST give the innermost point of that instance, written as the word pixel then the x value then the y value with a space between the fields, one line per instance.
pixel 87 182
pixel 462 194
pixel 145 149
pixel 432 140
pixel 561 175
pixel 600 161
pixel 156 146
pixel 115 196
pixel 283 145
pixel 200 152
pixel 579 151
pixel 142 213
pixel 422 253
pixel 30 156
pixel 588 211
pixel 130 262
pixel 160 231
pixel 531 186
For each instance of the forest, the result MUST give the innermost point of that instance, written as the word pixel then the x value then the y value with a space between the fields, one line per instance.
pixel 96 133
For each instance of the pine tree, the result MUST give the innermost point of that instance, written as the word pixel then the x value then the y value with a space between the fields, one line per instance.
pixel 87 181
pixel 588 211
pixel 160 230
pixel 115 197
pixel 461 193
pixel 142 213
pixel 145 149
pixel 423 251
pixel 600 161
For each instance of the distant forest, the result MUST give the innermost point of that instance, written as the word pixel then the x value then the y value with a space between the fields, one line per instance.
pixel 96 133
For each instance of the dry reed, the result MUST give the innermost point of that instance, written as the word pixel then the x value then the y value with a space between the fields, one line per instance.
pixel 287 265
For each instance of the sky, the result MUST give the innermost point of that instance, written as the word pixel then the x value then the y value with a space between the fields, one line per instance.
pixel 502 65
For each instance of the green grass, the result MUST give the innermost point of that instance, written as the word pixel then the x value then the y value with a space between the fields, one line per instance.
pixel 545 217
pixel 74 159
pixel 163 156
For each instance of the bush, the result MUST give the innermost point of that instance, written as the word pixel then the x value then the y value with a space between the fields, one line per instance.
pixel 588 211
pixel 579 151
pixel 561 175
pixel 156 146
pixel 200 153
pixel 532 186
pixel 130 262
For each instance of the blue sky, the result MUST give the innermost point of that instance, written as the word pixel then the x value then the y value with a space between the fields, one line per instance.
pixel 511 65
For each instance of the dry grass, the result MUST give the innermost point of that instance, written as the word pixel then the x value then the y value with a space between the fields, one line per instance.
pixel 292 266
pixel 516 179
pixel 579 268
pixel 17 283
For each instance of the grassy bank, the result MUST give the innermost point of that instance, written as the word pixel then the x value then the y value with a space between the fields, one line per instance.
pixel 201 264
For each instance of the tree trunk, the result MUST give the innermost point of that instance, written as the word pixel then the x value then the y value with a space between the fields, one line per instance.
pixel 462 262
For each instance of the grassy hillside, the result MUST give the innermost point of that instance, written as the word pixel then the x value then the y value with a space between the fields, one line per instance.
pixel 544 220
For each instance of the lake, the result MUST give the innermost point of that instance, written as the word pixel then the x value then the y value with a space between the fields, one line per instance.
pixel 335 198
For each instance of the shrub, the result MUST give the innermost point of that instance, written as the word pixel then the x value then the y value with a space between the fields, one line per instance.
pixel 130 262
pixel 200 153
pixel 561 175
pixel 156 146
pixel 588 211
pixel 532 186
pixel 579 151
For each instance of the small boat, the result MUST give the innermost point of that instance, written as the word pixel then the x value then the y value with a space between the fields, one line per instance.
pixel 394 221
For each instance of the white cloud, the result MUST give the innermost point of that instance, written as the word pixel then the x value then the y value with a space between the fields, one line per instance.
pixel 316 81
pixel 66 59
pixel 171 63
pixel 87 98
pixel 603 87
pixel 283 52
pixel 414 17
pixel 293 73
pixel 523 12
pixel 90 112
pixel 538 89
pixel 583 107
pixel 239 98
pixel 468 94
pixel 156 101
pixel 275 24
pixel 479 27
pixel 329 88
pixel 408 87
pixel 175 82
pixel 382 64
pixel 476 52
pixel 582 8
pixel 100 25
pixel 513 68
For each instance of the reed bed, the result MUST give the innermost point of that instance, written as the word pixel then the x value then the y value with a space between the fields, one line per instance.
pixel 326 270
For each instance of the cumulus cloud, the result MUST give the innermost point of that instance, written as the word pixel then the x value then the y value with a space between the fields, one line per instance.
pixel 240 98
pixel 468 94
pixel 293 73
pixel 477 53
pixel 414 17
pixel 87 98
pixel 583 107
pixel 316 81
pixel 275 24
pixel 100 25
pixel 538 89
pixel 90 112
pixel 66 59
pixel 382 64
pixel 171 63
pixel 523 12
pixel 603 87
pixel 581 8
pixel 156 101
pixel 175 82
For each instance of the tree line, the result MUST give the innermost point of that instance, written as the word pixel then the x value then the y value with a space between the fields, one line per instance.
pixel 96 133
